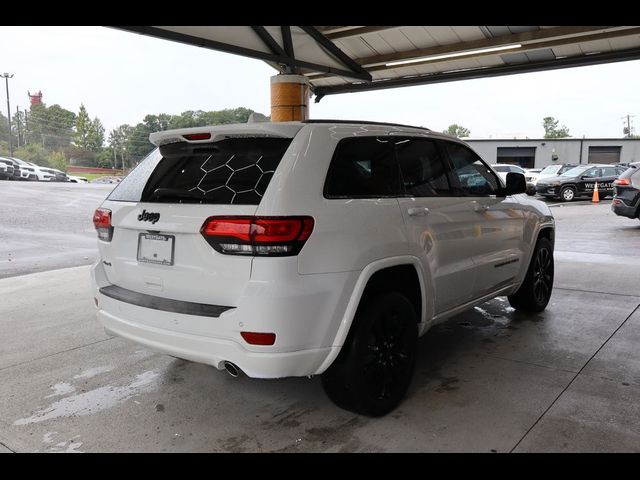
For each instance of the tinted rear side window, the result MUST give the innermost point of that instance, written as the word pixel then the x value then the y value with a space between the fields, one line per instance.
pixel 363 167
pixel 422 168
pixel 231 171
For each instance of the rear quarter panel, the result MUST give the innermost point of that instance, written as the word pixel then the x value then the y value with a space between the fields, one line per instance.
pixel 348 233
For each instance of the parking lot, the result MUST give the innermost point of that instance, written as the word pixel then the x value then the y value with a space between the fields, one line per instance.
pixel 45 226
pixel 489 380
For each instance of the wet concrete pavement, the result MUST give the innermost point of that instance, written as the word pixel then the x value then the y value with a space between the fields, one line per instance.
pixel 490 379
pixel 44 225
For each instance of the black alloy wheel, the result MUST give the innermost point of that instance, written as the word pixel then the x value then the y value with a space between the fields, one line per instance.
pixel 535 291
pixel 374 371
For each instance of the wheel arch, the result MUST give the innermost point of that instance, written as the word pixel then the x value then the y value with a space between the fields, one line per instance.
pixel 565 185
pixel 544 230
pixel 372 279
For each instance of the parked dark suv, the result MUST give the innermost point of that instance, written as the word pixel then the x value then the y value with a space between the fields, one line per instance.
pixel 626 193
pixel 580 182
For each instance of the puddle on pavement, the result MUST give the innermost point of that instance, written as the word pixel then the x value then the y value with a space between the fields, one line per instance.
pixel 93 401
pixel 61 389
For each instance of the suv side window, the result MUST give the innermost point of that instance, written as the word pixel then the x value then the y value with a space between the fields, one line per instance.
pixel 363 167
pixel 473 176
pixel 592 173
pixel 609 172
pixel 422 168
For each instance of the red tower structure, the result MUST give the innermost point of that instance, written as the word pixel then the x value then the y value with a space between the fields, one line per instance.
pixel 35 99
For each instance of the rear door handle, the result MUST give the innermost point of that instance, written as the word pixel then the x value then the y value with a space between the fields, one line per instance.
pixel 418 211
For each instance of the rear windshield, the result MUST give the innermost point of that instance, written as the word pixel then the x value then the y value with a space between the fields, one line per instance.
pixel 231 171
pixel 633 168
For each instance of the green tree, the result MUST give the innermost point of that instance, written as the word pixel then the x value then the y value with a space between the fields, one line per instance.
pixel 4 131
pixel 551 129
pixel 83 129
pixel 118 139
pixel 457 131
pixel 95 138
pixel 105 158
pixel 52 127
pixel 57 160
pixel 34 153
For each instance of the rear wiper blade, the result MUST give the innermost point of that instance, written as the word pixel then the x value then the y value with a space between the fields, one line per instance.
pixel 176 193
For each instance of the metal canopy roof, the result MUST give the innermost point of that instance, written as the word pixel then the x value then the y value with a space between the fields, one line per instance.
pixel 339 59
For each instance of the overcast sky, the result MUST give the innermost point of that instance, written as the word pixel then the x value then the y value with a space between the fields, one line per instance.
pixel 121 76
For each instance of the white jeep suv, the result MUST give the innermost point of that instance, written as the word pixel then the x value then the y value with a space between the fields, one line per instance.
pixel 316 247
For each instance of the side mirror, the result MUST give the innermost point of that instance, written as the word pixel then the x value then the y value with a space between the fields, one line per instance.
pixel 516 183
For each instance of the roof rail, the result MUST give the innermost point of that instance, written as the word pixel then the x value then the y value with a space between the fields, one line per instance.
pixel 364 122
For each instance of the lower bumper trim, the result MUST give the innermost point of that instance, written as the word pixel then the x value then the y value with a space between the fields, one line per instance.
pixel 165 304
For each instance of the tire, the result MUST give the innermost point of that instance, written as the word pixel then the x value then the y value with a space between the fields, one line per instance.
pixel 535 292
pixel 373 372
pixel 567 194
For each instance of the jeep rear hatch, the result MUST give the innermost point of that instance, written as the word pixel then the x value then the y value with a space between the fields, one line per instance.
pixel 158 212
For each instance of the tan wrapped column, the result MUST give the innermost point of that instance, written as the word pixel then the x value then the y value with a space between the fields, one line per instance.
pixel 289 98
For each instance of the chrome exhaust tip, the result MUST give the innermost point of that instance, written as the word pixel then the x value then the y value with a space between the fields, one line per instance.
pixel 232 369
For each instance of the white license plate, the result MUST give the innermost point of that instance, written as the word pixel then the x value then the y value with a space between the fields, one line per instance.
pixel 156 248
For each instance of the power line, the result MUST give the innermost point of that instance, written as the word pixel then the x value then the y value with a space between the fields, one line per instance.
pixel 628 130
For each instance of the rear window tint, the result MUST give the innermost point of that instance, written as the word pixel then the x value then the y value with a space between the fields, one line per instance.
pixel 131 187
pixel 231 171
pixel 363 167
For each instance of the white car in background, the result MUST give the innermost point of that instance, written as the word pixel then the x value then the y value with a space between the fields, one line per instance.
pixel 43 174
pixel 502 169
pixel 531 175
pixel 75 179
pixel 555 170
pixel 27 171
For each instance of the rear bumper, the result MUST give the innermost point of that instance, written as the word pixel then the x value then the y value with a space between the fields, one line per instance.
pixel 624 210
pixel 215 351
pixel 305 312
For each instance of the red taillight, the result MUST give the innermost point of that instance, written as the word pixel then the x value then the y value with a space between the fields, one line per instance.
pixel 102 218
pixel 267 236
pixel 102 222
pixel 622 181
pixel 256 338
pixel 239 228
pixel 197 136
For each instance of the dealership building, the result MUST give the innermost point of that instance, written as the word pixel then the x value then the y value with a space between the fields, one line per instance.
pixel 538 153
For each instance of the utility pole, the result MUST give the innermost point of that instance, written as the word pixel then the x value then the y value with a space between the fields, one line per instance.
pixel 18 124
pixel 628 130
pixel 6 77
pixel 26 125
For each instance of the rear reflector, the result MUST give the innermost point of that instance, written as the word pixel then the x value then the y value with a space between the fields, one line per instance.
pixel 261 236
pixel 622 181
pixel 256 338
pixel 102 222
pixel 197 136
